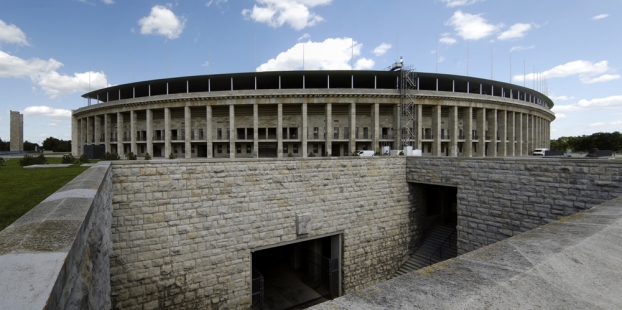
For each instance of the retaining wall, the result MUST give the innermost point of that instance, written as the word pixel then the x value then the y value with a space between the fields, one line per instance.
pixel 501 197
pixel 183 230
pixel 56 256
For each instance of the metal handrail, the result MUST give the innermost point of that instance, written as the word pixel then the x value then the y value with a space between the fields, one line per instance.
pixel 440 248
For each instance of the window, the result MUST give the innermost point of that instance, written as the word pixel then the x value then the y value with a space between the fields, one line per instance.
pixel 219 134
pixel 285 133
pixel 365 133
pixel 248 148
pixel 228 135
pixel 200 134
pixel 250 133
pixel 183 134
pixel 228 148
pixel 336 133
pixel 192 134
pixel 315 148
pixel 219 149
pixel 284 148
pixel 241 133
pixel 315 132
pixel 346 132
pixel 295 148
pixel 238 149
pixel 356 133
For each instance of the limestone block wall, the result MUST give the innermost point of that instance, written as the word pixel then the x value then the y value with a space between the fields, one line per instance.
pixel 501 197
pixel 183 230
pixel 56 256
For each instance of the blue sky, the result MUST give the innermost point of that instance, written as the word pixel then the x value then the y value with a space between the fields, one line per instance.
pixel 51 52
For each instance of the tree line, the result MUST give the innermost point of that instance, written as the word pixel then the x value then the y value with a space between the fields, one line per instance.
pixel 49 144
pixel 600 140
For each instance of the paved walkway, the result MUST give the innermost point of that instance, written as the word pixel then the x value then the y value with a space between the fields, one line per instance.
pixel 574 263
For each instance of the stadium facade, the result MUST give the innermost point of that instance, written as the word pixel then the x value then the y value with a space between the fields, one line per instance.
pixel 299 113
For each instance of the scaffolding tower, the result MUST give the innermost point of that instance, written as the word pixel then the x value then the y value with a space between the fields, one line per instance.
pixel 408 103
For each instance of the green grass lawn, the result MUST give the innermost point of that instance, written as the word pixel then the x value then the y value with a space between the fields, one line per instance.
pixel 22 189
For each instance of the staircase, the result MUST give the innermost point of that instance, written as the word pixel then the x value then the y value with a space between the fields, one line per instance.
pixel 430 246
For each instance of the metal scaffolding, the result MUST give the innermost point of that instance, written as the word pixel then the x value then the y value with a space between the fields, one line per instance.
pixel 408 104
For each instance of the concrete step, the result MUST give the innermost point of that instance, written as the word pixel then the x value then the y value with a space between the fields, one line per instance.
pixel 421 258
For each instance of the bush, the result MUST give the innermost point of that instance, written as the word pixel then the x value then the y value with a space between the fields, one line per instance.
pixel 68 159
pixel 401 153
pixel 311 154
pixel 354 154
pixel 147 156
pixel 326 154
pixel 84 159
pixel 290 155
pixel 2 161
pixel 172 156
pixel 377 153
pixel 131 156
pixel 111 156
pixel 29 160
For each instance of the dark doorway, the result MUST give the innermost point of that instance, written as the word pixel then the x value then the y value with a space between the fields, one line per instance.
pixel 267 150
pixel 441 202
pixel 297 276
pixel 202 150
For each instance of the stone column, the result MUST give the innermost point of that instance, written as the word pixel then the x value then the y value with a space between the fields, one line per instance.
pixel 376 127
pixel 502 120
pixel 279 131
pixel 397 127
pixel 75 136
pixel 453 131
pixel 188 129
pixel 352 126
pixel 208 130
pixel 120 123
pixel 436 130
pixel 492 148
pixel 232 131
pixel 525 134
pixel 419 124
pixel 88 131
pixel 107 132
pixel 480 121
pixel 329 128
pixel 96 130
pixel 519 134
pixel 467 119
pixel 133 132
pixel 256 129
pixel 167 132
pixel 305 130
pixel 149 129
pixel 511 134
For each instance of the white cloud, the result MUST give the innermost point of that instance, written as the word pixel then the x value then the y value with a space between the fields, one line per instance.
pixel 46 111
pixel 43 73
pixel 516 31
pixel 560 115
pixel 602 78
pixel 587 71
pixel 616 123
pixel 455 3
pixel 364 64
pixel 108 1
pixel 332 54
pixel 598 124
pixel 276 13
pixel 441 59
pixel 217 2
pixel 471 27
pixel 562 98
pixel 162 21
pixel 10 33
pixel 607 103
pixel 205 64
pixel 521 48
pixel 381 49
pixel 304 37
pixel 600 16
pixel 447 40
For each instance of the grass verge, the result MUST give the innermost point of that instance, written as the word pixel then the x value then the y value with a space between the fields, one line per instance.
pixel 22 189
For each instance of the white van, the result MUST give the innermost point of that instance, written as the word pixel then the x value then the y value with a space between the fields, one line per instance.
pixel 366 153
pixel 539 151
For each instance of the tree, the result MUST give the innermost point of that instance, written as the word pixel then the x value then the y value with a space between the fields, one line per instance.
pixel 56 145
pixel 29 146
pixel 5 145
pixel 601 140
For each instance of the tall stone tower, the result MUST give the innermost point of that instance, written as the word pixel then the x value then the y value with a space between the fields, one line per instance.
pixel 17 131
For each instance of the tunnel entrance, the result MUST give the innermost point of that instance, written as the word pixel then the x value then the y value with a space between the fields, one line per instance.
pixel 441 203
pixel 297 275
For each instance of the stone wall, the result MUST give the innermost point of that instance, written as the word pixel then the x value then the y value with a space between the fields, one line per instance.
pixel 183 230
pixel 501 197
pixel 56 256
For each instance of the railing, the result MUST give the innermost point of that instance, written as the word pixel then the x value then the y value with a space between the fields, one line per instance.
pixel 461 137
pixel 257 290
pixel 102 140
pixel 174 138
pixel 445 137
pixel 141 138
pixel 386 137
pixel 293 136
pixel 158 138
pixel 428 136
pixel 113 139
pixel 475 137
pixel 487 137
pixel 440 248
pixel 126 139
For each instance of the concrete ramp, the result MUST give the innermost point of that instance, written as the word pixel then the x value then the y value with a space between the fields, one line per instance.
pixel 574 263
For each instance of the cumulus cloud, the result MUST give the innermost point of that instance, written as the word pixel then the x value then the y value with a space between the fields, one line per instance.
pixel 447 40
pixel 381 49
pixel 562 98
pixel 455 3
pixel 587 71
pixel 10 33
pixel 305 36
pixel 46 111
pixel 295 13
pixel 516 31
pixel 162 21
pixel 331 54
pixel 560 115
pixel 471 27
pixel 44 74
pixel 607 103
pixel 108 1
pixel 521 48
pixel 600 16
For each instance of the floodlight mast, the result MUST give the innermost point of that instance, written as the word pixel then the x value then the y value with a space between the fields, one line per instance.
pixel 408 103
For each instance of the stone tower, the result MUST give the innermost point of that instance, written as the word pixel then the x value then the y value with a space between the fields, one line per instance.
pixel 17 131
